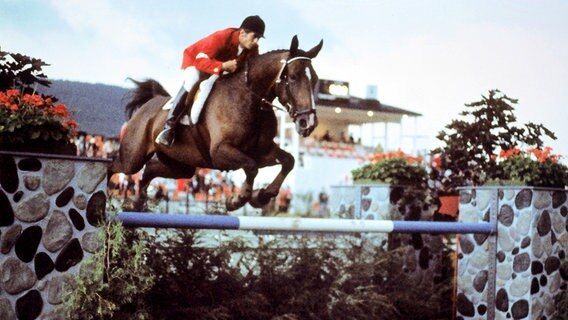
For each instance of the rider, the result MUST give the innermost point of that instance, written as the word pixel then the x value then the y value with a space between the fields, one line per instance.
pixel 208 58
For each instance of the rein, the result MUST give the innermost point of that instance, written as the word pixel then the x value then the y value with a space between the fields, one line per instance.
pixel 259 97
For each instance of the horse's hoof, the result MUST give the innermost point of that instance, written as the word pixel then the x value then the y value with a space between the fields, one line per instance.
pixel 140 206
pixel 259 198
pixel 231 205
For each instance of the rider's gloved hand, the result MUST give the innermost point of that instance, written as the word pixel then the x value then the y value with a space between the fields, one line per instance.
pixel 230 66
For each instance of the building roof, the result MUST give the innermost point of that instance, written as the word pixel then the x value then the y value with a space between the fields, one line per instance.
pixel 355 110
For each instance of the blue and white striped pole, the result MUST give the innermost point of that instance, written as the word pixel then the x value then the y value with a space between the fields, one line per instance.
pixel 155 220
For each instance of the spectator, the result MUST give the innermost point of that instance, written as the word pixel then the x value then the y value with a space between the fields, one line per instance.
pixel 108 149
pixel 81 144
pixel 284 199
pixel 323 200
pixel 326 136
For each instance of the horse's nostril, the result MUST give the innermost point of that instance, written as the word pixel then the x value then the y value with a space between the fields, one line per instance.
pixel 303 124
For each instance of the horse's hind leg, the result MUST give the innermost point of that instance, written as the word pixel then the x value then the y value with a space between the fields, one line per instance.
pixel 165 168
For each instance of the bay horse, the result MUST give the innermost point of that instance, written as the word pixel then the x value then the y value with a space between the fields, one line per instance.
pixel 236 129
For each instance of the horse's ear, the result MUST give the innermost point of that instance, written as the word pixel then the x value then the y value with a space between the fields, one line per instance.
pixel 294 46
pixel 315 50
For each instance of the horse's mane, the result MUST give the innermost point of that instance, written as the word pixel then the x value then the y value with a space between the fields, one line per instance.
pixel 144 91
pixel 252 62
pixel 264 56
pixel 261 58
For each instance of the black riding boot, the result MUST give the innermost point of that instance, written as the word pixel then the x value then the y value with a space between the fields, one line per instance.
pixel 166 136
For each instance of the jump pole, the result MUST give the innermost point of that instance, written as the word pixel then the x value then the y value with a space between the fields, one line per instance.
pixel 154 220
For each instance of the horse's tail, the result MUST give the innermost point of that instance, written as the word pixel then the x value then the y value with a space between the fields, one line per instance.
pixel 144 91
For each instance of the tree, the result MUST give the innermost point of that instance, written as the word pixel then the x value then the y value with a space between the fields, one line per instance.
pixel 470 143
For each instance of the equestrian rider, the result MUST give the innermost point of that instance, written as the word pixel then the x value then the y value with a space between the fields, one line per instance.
pixel 204 61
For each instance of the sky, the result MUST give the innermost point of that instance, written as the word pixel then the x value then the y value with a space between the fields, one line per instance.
pixel 425 56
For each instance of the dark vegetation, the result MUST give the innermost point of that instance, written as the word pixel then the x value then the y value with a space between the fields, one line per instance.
pixel 173 275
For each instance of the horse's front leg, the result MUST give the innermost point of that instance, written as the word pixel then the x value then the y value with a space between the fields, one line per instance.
pixel 236 201
pixel 261 197
pixel 228 157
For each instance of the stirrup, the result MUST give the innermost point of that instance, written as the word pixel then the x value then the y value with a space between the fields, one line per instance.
pixel 165 137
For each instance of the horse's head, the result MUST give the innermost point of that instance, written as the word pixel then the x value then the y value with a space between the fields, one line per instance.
pixel 295 87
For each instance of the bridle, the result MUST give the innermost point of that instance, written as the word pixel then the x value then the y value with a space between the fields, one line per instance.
pixel 282 79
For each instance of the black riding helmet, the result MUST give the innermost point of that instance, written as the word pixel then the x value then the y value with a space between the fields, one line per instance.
pixel 254 24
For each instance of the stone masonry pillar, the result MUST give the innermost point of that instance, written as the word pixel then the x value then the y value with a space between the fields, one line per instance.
pixel 49 207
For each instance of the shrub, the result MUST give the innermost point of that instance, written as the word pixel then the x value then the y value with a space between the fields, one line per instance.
pixel 21 72
pixel 114 282
pixel 26 117
pixel 395 171
pixel 407 176
pixel 283 277
pixel 184 274
pixel 534 167
pixel 469 143
pixel 31 117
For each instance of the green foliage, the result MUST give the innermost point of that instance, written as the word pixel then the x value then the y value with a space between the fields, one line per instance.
pixel 394 171
pixel 272 277
pixel 469 144
pixel 114 281
pixel 25 116
pixel 548 173
pixel 413 196
pixel 21 71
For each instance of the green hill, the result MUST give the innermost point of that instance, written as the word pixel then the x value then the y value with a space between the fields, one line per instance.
pixel 98 108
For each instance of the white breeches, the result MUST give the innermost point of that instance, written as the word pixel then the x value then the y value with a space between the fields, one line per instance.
pixel 190 79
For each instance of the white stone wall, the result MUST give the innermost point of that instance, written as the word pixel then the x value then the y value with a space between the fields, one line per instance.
pixel 49 209
pixel 529 249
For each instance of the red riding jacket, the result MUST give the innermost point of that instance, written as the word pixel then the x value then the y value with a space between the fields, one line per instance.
pixel 209 53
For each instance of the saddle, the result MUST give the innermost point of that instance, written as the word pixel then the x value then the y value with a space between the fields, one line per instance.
pixel 185 118
pixel 203 91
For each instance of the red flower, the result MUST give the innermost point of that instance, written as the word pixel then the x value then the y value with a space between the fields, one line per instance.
pixel 23 111
pixel 70 124
pixel 541 155
pixel 509 153
pixel 13 93
pixel 60 110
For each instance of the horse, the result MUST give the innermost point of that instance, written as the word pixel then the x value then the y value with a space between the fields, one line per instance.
pixel 236 129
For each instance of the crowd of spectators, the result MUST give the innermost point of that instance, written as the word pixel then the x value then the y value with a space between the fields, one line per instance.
pixel 205 186
pixel 96 146
pixel 209 185
pixel 343 138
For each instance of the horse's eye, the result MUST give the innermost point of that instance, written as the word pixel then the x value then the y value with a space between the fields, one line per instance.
pixel 293 77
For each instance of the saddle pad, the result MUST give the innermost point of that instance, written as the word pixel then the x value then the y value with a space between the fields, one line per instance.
pixel 168 104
